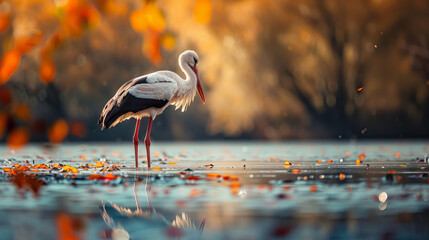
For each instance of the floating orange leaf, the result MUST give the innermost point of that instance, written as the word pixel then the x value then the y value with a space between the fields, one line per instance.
pixel 358 161
pixel 342 176
pixel 288 163
pixel 212 176
pixel 313 188
pixel 362 156
pixel 110 177
pixel 7 169
pixel 171 163
pixel 359 90
pixel 397 155
pixel 8 64
pixel 191 177
pixel 18 138
pixel 58 131
pixel 330 161
pixel 47 70
pixel 296 171
pixel 96 177
pixel 99 164
pixel 235 184
pixel 156 169
pixel 203 11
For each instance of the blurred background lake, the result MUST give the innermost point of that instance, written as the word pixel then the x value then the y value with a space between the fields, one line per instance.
pixel 272 69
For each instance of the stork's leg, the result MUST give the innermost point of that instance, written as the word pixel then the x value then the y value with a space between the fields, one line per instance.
pixel 147 141
pixel 136 142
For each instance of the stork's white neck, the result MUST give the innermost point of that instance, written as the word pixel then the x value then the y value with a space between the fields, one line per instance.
pixel 186 87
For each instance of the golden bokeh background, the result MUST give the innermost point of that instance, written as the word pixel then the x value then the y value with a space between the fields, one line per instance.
pixel 271 69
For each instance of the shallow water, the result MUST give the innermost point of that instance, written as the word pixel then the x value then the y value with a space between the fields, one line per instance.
pixel 238 190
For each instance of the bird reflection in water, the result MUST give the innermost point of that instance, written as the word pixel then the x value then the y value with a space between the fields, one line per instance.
pixel 176 228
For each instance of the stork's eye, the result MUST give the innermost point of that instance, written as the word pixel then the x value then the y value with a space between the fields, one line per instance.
pixel 196 61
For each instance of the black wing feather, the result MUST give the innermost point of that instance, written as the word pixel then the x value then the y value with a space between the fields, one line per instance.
pixel 132 104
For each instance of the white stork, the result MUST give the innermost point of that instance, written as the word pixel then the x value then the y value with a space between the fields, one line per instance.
pixel 149 95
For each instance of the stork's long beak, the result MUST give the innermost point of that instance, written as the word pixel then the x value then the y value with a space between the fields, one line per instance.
pixel 199 86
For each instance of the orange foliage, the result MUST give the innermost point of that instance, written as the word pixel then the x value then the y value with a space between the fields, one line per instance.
pixel 47 70
pixel 358 162
pixel 22 111
pixel 114 7
pixel 203 11
pixel 18 138
pixel 58 131
pixel 296 171
pixel 8 64
pixel 342 176
pixel 26 43
pixel 4 21
pixel 151 47
pixel 150 17
pixel 168 41
pixel 362 156
pixel 79 15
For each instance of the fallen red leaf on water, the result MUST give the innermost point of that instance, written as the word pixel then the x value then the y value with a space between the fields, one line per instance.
pixel 212 176
pixel 110 177
pixel 96 177
pixel 191 177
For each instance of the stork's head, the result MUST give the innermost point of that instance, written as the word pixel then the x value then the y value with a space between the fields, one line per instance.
pixel 190 58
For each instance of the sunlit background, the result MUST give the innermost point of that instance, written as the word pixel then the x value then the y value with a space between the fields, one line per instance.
pixel 274 69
